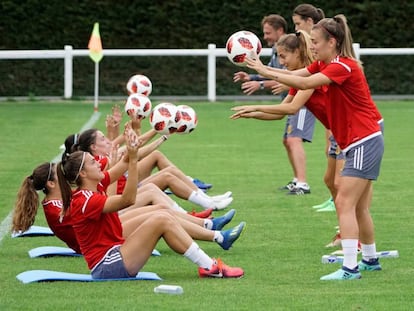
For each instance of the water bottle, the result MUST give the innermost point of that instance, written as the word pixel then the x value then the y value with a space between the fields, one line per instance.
pixel 169 289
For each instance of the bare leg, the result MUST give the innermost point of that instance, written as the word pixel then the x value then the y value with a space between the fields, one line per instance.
pixel 297 157
pixel 139 245
pixel 365 223
pixel 151 161
pixel 351 190
pixel 166 180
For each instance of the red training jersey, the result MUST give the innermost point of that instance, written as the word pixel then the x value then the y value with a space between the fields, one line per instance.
pixel 121 182
pixel 95 231
pixel 351 111
pixel 317 104
pixel 61 227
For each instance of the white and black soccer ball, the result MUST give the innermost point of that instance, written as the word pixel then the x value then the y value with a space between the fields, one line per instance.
pixel 139 84
pixel 242 44
pixel 164 118
pixel 188 120
pixel 138 106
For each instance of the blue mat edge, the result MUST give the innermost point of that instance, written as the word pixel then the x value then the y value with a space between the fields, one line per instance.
pixel 32 276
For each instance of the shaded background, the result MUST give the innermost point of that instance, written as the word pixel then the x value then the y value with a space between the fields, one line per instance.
pixel 36 24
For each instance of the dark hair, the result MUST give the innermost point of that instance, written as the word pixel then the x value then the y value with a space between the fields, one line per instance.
pixel 70 141
pixel 82 142
pixel 276 21
pixel 306 10
pixel 27 200
pixel 68 174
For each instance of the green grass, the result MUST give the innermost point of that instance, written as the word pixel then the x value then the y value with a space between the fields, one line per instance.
pixel 281 247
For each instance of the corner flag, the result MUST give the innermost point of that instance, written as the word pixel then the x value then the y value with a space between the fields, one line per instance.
pixel 95 44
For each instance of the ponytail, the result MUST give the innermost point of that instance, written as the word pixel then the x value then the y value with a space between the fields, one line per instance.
pixel 27 200
pixel 337 28
pixel 68 174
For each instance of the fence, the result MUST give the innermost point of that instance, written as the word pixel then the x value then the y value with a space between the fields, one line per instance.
pixel 212 52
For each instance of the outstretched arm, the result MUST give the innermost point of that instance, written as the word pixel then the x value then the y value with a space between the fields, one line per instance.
pixel 300 79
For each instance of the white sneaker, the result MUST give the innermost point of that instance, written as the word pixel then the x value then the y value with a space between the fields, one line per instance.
pixel 220 197
pixel 222 204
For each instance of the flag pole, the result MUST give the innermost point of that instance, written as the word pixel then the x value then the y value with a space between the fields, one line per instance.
pixel 95 105
pixel 96 54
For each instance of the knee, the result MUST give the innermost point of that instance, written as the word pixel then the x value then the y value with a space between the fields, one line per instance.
pixel 163 217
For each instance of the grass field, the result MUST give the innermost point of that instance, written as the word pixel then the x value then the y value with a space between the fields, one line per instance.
pixel 281 248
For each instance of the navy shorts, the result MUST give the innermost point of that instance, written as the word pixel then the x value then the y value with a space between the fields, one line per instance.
pixel 111 266
pixel 301 124
pixel 364 160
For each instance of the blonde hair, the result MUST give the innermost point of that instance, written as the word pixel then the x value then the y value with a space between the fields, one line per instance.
pixel 337 28
pixel 297 41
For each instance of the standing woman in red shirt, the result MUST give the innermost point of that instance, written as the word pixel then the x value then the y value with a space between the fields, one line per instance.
pixel 353 117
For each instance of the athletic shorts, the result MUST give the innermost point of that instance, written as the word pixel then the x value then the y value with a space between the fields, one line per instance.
pixel 334 151
pixel 364 159
pixel 301 124
pixel 111 266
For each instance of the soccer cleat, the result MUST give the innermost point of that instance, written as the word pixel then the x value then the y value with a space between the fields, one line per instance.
pixel 231 235
pixel 342 274
pixel 220 222
pixel 202 185
pixel 220 197
pixel 220 270
pixel 298 191
pixel 330 207
pixel 324 204
pixel 371 265
pixel 289 186
pixel 222 204
pixel 204 214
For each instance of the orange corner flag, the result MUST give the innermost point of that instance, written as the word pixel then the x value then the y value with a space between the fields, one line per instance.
pixel 95 44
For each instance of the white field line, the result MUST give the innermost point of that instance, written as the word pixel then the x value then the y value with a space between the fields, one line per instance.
pixel 6 223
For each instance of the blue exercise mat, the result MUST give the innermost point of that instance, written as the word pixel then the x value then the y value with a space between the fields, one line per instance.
pixel 32 276
pixel 33 231
pixel 49 251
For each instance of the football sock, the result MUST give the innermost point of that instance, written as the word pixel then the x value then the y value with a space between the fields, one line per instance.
pixel 198 256
pixel 350 249
pixel 198 199
pixel 208 223
pixel 218 237
pixel 369 251
pixel 177 207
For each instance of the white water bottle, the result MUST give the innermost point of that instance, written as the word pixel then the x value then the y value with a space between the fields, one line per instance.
pixel 169 289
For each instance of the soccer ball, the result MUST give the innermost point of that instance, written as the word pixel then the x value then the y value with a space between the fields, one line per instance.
pixel 139 84
pixel 164 118
pixel 138 106
pixel 188 120
pixel 241 44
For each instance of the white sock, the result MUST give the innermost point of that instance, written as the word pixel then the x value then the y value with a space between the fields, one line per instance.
pixel 294 180
pixel 369 251
pixel 350 249
pixel 198 199
pixel 218 237
pixel 302 185
pixel 208 223
pixel 177 207
pixel 197 255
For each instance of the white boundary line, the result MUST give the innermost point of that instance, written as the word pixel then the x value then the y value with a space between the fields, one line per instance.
pixel 5 224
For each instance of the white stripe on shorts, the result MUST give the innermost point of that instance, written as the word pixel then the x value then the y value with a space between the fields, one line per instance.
pixel 301 119
pixel 359 158
pixel 112 258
